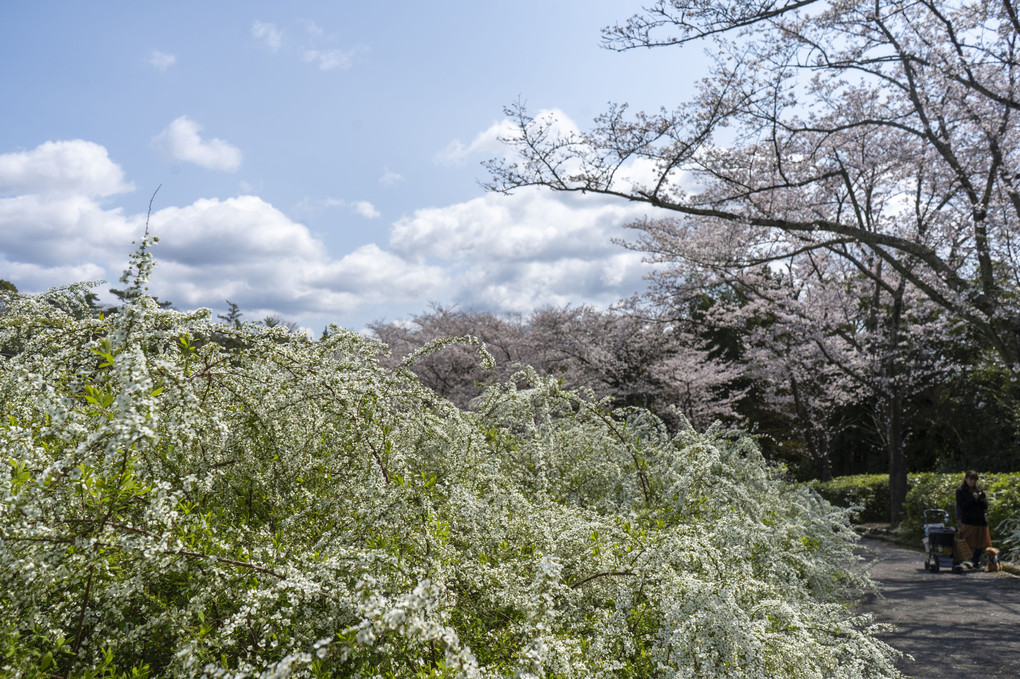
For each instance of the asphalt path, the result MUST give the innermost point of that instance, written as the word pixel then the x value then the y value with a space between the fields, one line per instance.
pixel 954 626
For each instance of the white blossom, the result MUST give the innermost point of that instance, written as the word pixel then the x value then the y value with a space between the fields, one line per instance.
pixel 245 502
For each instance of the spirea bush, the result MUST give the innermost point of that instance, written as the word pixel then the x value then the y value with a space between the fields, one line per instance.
pixel 183 498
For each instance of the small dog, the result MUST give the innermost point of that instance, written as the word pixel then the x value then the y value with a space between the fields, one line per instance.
pixel 990 560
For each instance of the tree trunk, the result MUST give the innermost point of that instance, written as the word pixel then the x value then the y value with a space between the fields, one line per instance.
pixel 894 431
pixel 818 445
pixel 815 437
pixel 897 463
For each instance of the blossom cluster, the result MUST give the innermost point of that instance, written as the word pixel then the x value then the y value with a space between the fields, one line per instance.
pixel 184 498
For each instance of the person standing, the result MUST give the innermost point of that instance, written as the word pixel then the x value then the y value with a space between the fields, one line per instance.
pixel 971 506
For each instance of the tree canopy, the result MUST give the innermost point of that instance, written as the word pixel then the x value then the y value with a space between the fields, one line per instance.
pixel 881 134
pixel 871 130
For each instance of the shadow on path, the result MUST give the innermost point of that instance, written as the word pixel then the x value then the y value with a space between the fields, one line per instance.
pixel 954 626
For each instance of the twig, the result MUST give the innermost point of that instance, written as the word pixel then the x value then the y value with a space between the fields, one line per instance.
pixel 617 574
pixel 81 614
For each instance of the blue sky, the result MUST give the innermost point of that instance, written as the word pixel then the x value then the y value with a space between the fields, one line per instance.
pixel 316 160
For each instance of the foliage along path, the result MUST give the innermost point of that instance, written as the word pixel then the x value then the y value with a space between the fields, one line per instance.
pixel 953 625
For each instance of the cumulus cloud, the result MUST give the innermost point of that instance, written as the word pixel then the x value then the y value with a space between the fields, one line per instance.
pixel 382 275
pixel 55 231
pixel 181 140
pixel 161 60
pixel 214 232
pixel 36 277
pixel 53 228
pixel 529 225
pixel 366 210
pixel 74 166
pixel 517 252
pixel 245 250
pixel 489 141
pixel 525 286
pixel 496 253
pixel 268 34
pixel 59 229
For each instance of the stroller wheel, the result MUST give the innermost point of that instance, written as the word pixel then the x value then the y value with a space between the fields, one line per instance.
pixel 935 567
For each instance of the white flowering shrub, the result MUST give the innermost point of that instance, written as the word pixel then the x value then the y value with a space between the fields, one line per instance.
pixel 183 498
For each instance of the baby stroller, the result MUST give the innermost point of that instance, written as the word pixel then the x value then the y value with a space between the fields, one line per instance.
pixel 940 542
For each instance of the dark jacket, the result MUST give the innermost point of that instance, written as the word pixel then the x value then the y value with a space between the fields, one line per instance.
pixel 971 510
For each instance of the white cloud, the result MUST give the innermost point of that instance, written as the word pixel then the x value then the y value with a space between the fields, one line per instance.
pixel 526 286
pixel 380 275
pixel 330 59
pixel 268 34
pixel 32 277
pixel 181 140
pixel 233 231
pixel 643 174
pixel 161 60
pixel 488 142
pixel 517 252
pixel 55 231
pixel 76 166
pixel 390 178
pixel 366 210
pixel 59 229
pixel 528 225
pixel 245 250
pixel 361 207
pixel 496 253
pixel 240 248
pixel 323 57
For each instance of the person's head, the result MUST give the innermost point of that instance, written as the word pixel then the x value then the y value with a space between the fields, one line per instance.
pixel 971 478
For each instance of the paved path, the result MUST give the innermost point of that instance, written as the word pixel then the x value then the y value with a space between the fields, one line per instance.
pixel 955 626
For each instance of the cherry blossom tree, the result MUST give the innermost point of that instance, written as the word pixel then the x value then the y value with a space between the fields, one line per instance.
pixel 632 359
pixel 818 335
pixel 815 111
pixel 882 133
pixel 456 372
pixel 611 352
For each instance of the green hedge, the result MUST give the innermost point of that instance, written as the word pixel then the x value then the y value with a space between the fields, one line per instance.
pixel 925 491
pixel 870 492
